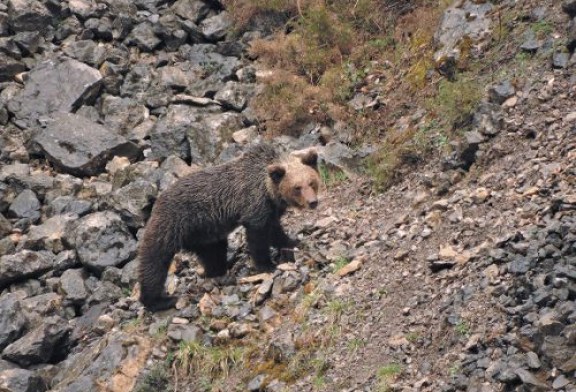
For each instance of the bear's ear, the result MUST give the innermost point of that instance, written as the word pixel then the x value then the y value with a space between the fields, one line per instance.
pixel 276 173
pixel 308 157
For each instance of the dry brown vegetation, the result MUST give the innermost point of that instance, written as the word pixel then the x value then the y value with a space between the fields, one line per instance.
pixel 328 51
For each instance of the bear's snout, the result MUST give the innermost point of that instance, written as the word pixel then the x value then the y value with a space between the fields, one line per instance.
pixel 313 204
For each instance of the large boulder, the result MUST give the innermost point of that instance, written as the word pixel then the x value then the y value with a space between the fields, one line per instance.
pixel 55 86
pixel 28 15
pixel 21 380
pixel 111 364
pixel 48 341
pixel 80 146
pixel 12 320
pixel 25 264
pixel 102 240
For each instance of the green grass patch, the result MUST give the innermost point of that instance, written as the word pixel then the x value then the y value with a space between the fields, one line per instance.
pixel 210 362
pixel 386 375
pixel 340 263
pixel 462 328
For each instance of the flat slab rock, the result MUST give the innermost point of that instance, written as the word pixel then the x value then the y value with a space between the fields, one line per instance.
pixel 81 147
pixel 55 86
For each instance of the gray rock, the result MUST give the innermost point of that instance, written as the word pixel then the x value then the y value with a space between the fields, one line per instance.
pixel 12 320
pixel 10 67
pixel 94 367
pixel 282 349
pixel 529 379
pixel 84 9
pixel 68 205
pixel 98 28
pixel 500 92
pixel 87 51
pixel 122 114
pixel 39 183
pixel 560 59
pixel 362 101
pixel 560 382
pixel 21 380
pixel 5 365
pixel 72 285
pixel 5 226
pixel 136 82
pixel 48 235
pixel 465 19
pixel 256 383
pixel 216 27
pixel 55 86
pixel 102 240
pixel 28 15
pixel 169 135
pixel 144 38
pixel 133 202
pixel 130 273
pixel 234 96
pixel 25 205
pixel 7 246
pixel 24 265
pixel 533 361
pixel 519 266
pixel 531 43
pixel 28 42
pixel 207 136
pixel 81 147
pixel 66 28
pixel 103 292
pixel 173 77
pixel 185 333
pixel 65 260
pixel 43 344
pixel 4 25
pixel 192 10
pixel 41 306
pixel 211 68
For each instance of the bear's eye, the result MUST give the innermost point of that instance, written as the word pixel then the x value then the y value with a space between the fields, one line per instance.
pixel 297 189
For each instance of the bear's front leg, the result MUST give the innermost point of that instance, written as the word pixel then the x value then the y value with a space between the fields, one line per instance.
pixel 259 247
pixel 282 241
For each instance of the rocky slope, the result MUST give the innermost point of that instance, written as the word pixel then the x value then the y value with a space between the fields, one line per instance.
pixel 460 277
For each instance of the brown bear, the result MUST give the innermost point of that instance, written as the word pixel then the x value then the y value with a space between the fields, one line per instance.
pixel 197 213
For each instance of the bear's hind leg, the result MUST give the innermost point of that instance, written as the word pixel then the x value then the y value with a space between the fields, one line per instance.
pixel 153 270
pixel 213 258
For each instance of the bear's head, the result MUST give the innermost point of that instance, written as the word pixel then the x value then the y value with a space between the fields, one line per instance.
pixel 295 180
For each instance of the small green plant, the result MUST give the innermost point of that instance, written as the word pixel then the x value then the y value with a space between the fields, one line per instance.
pixel 387 374
pixel 412 337
pixel 161 330
pixel 455 102
pixel 336 308
pixel 542 28
pixel 206 361
pixel 355 344
pixel 454 370
pixel 340 263
pixel 331 177
pixel 157 379
pixel 462 328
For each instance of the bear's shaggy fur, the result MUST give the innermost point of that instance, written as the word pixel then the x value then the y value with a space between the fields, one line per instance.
pixel 198 212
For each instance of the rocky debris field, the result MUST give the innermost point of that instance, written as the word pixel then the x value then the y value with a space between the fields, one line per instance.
pixel 460 277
